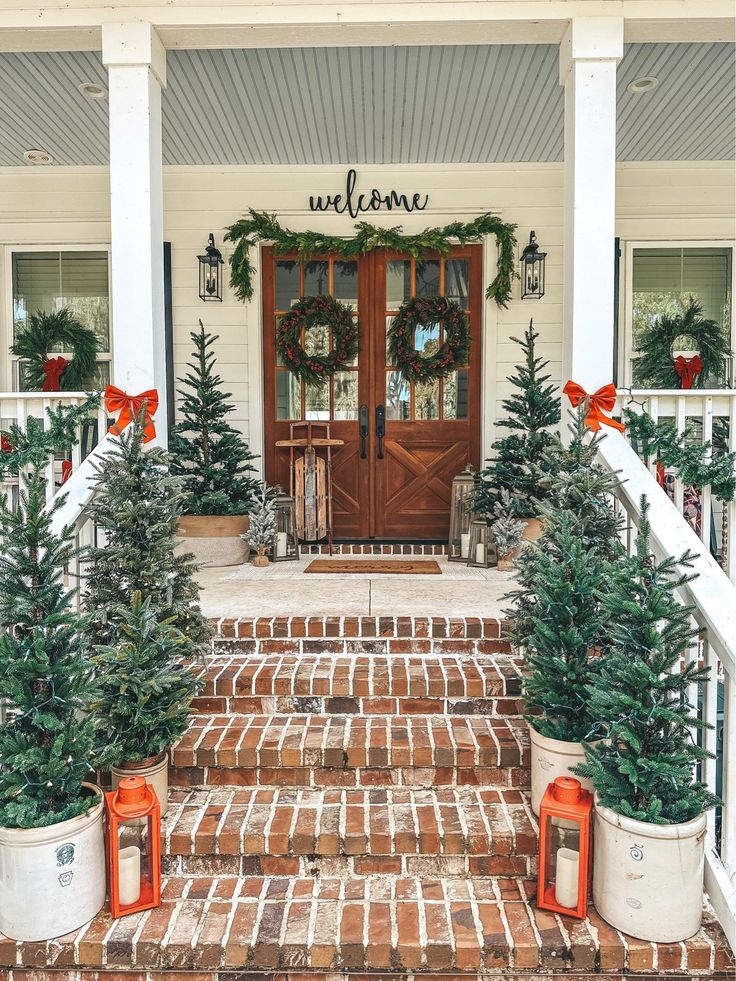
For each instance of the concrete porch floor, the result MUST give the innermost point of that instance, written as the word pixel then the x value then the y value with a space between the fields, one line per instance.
pixel 284 589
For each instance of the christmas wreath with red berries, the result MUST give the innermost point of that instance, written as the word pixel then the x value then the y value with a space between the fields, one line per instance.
pixel 315 311
pixel 422 311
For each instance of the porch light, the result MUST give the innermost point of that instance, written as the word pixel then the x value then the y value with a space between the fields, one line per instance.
pixel 461 512
pixel 210 272
pixel 286 545
pixel 532 269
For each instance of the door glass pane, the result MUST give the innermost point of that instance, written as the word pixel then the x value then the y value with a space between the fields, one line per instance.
pixel 398 396
pixel 317 402
pixel 288 396
pixel 455 397
pixel 287 284
pixel 427 399
pixel 427 339
pixel 345 395
pixel 428 278
pixel 317 340
pixel 316 279
pixel 456 281
pixel 345 283
pixel 398 283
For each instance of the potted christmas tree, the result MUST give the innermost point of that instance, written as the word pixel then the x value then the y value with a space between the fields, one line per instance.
pixel 558 623
pixel 136 506
pixel 214 461
pixel 649 819
pixel 261 534
pixel 532 413
pixel 52 859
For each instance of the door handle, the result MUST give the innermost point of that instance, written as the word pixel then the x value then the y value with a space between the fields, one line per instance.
pixel 363 429
pixel 380 428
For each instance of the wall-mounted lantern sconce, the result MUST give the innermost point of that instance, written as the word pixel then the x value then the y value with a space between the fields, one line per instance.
pixel 210 272
pixel 532 269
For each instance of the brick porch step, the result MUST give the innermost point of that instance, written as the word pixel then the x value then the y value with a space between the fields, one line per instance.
pixel 240 680
pixel 405 831
pixel 345 750
pixel 374 924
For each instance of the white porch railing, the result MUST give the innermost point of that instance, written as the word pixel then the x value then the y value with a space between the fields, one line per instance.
pixel 699 409
pixel 713 597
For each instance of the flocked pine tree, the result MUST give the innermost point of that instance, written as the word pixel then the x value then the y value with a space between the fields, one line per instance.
pixel 210 455
pixel 137 506
pixel 644 767
pixel 531 414
pixel 144 690
pixel 46 742
pixel 262 529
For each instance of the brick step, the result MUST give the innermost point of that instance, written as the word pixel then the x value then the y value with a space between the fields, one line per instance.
pixel 345 750
pixel 276 831
pixel 381 923
pixel 453 684
pixel 384 628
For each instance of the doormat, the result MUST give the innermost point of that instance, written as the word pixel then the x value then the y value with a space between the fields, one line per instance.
pixel 370 567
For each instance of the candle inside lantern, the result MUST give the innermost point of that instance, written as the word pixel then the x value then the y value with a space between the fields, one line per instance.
pixel 129 875
pixel 566 877
pixel 480 553
pixel 281 543
pixel 464 545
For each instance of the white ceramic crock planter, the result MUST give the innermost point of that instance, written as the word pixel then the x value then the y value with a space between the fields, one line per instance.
pixel 52 880
pixel 648 878
pixel 214 540
pixel 551 758
pixel 156 771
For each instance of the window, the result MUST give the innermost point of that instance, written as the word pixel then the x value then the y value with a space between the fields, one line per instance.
pixel 663 278
pixel 47 281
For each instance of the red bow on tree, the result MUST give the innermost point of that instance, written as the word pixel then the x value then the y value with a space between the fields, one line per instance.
pixel 53 369
pixel 596 406
pixel 688 369
pixel 129 407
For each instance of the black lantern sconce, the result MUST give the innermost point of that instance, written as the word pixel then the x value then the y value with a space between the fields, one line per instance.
pixel 210 272
pixel 532 269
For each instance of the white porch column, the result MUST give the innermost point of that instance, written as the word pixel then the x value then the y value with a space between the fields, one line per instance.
pixel 136 63
pixel 589 53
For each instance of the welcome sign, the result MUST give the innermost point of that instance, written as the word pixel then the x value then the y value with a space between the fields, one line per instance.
pixel 373 200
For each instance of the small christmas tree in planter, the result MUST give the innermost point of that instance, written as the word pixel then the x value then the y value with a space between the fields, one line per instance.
pixel 137 507
pixel 51 820
pixel 214 461
pixel 144 691
pixel 532 413
pixel 507 531
pixel 650 820
pixel 262 531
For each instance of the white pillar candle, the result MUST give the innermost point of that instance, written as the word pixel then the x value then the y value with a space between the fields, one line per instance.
pixel 281 543
pixel 464 545
pixel 480 553
pixel 129 875
pixel 566 877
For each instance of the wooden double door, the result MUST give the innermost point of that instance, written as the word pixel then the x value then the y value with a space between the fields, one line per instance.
pixel 404 442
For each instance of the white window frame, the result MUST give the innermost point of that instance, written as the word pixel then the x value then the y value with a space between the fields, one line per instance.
pixel 9 364
pixel 626 351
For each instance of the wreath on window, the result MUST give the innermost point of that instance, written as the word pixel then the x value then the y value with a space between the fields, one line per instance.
pixel 310 312
pixel 58 331
pixel 421 312
pixel 660 364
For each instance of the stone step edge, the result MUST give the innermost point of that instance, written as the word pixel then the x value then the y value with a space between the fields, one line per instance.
pixel 376 627
pixel 393 926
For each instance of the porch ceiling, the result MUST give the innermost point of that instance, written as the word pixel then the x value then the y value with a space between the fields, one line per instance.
pixel 373 105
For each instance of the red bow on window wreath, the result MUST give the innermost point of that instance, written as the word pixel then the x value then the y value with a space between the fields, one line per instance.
pixel 688 369
pixel 53 369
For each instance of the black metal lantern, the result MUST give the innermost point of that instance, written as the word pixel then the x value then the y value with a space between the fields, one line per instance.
pixel 532 269
pixel 482 548
pixel 461 513
pixel 210 272
pixel 286 543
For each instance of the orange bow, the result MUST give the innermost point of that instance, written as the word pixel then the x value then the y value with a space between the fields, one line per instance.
pixel 129 407
pixel 597 405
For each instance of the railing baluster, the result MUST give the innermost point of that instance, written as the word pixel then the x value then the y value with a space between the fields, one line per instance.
pixel 728 790
pixel 652 407
pixel 705 493
pixel 680 422
pixel 729 511
pixel 710 735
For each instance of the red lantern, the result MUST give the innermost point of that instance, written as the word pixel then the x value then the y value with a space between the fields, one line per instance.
pixel 565 848
pixel 133 847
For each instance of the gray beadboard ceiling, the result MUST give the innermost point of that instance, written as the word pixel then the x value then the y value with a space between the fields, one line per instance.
pixel 373 105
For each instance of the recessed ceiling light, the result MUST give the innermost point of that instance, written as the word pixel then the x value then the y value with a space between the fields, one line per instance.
pixel 39 157
pixel 93 90
pixel 644 84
